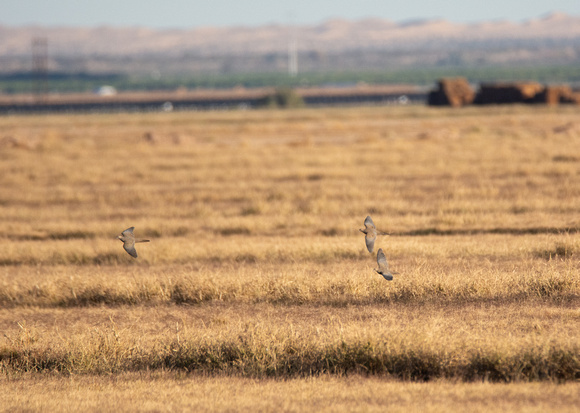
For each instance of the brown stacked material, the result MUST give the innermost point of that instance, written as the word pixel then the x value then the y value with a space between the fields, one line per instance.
pixel 553 95
pixel 498 93
pixel 451 92
pixel 574 98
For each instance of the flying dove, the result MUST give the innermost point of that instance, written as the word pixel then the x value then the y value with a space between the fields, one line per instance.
pixel 370 232
pixel 384 266
pixel 129 241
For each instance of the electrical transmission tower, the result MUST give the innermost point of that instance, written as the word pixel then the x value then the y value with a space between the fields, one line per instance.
pixel 40 68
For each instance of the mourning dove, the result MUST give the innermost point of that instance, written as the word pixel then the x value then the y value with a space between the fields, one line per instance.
pixel 384 266
pixel 129 241
pixel 370 232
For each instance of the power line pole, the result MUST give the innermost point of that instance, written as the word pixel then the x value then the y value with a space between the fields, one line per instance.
pixel 293 57
pixel 40 68
pixel 292 46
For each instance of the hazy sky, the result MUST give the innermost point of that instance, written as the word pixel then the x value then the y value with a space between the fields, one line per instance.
pixel 186 14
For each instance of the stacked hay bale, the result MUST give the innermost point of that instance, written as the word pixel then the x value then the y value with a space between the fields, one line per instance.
pixel 457 92
pixel 452 92
pixel 517 92
pixel 555 94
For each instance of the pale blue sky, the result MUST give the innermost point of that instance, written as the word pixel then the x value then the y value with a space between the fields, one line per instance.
pixel 187 14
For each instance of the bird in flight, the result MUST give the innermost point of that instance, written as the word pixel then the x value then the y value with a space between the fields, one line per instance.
pixel 129 241
pixel 370 232
pixel 384 266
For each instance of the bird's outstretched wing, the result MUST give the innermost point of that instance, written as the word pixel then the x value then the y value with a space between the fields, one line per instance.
pixel 130 248
pixel 369 223
pixel 388 276
pixel 383 265
pixel 128 232
pixel 382 260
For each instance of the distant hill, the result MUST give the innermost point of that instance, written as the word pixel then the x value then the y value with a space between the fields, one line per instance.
pixel 344 44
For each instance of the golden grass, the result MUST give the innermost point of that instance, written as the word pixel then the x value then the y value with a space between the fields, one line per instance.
pixel 497 342
pixel 250 171
pixel 166 392
pixel 296 270
pixel 256 267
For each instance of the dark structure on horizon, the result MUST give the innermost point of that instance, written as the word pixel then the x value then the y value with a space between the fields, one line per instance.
pixel 457 92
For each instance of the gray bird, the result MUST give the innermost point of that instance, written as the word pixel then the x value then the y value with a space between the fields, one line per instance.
pixel 129 241
pixel 370 232
pixel 384 266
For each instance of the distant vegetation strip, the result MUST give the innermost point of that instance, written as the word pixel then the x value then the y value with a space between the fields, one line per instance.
pixel 555 288
pixel 249 356
pixel 62 82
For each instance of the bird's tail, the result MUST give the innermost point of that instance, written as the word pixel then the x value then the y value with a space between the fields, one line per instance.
pixel 142 240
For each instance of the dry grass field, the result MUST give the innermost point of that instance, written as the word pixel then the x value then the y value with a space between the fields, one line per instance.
pixel 257 292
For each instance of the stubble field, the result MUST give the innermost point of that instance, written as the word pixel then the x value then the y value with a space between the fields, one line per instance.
pixel 256 291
